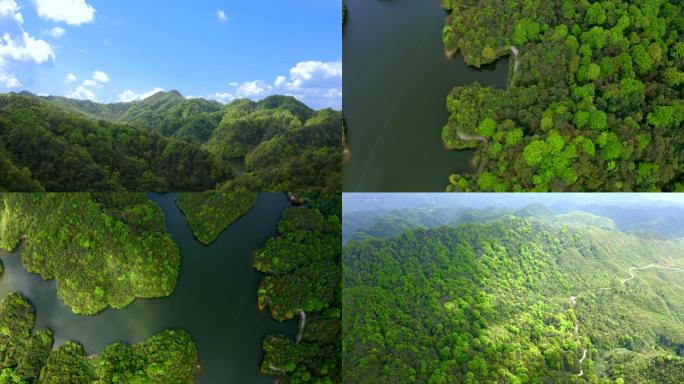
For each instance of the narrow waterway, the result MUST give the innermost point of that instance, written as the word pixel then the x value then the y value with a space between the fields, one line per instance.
pixel 396 81
pixel 215 299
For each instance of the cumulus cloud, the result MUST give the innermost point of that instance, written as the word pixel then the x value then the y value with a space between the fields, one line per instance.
pixel 72 12
pixel 8 7
pixel 17 46
pixel 26 49
pixel 316 74
pixel 71 78
pixel 128 96
pixel 316 83
pixel 100 77
pixel 82 93
pixel 90 83
pixel 56 32
pixel 9 81
pixel 222 97
pixel 221 15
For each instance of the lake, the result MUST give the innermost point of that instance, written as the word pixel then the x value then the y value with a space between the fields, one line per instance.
pixel 396 80
pixel 215 299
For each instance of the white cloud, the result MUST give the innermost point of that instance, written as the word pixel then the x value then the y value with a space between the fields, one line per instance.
pixel 72 12
pixel 90 83
pixel 315 74
pixel 100 77
pixel 32 50
pixel 222 97
pixel 251 89
pixel 316 83
pixel 82 93
pixel 221 15
pixel 56 32
pixel 128 96
pixel 71 78
pixel 9 81
pixel 17 46
pixel 8 7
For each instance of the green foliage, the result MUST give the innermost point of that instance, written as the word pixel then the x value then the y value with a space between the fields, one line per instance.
pixel 614 66
pixel 65 151
pixel 525 31
pixel 209 213
pixel 303 278
pixel 303 159
pixel 487 127
pixel 166 143
pixel 491 303
pixel 103 250
pixel 169 356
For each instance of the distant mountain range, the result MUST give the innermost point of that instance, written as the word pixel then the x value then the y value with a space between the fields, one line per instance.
pixel 383 223
pixel 167 142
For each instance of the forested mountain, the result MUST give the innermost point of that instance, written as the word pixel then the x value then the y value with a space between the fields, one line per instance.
pixel 539 299
pixel 594 97
pixel 167 143
pixel 384 224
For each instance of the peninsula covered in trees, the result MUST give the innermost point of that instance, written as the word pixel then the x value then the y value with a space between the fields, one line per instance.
pixel 303 276
pixel 511 295
pixel 594 97
pixel 167 143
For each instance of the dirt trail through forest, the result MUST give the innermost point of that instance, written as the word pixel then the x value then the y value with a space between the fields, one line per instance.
pixel 573 301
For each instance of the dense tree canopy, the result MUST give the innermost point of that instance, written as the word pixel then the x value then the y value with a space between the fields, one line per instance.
pixel 27 357
pixel 209 213
pixel 514 300
pixel 303 279
pixel 104 250
pixel 166 143
pixel 594 101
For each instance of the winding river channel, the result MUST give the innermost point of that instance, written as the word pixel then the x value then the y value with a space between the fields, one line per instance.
pixel 215 299
pixel 396 81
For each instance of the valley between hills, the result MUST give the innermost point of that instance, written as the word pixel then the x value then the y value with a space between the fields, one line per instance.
pixel 167 143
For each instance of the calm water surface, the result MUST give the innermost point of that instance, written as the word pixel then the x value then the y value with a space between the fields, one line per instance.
pixel 215 299
pixel 396 80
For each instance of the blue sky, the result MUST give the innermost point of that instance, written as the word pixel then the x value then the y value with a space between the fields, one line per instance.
pixel 123 50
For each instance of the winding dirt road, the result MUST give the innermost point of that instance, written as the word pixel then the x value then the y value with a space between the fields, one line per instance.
pixel 515 53
pixel 302 322
pixel 573 301
pixel 632 276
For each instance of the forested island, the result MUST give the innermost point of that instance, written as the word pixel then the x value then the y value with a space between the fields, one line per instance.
pixel 167 143
pixel 594 97
pixel 510 296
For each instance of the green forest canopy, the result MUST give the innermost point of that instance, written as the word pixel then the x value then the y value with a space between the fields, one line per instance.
pixel 513 300
pixel 302 266
pixel 104 250
pixel 27 355
pixel 210 213
pixel 167 143
pixel 594 101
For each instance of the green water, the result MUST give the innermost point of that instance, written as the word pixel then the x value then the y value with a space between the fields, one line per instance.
pixel 396 80
pixel 215 299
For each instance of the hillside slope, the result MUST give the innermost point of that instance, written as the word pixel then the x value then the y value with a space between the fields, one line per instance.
pixel 513 301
